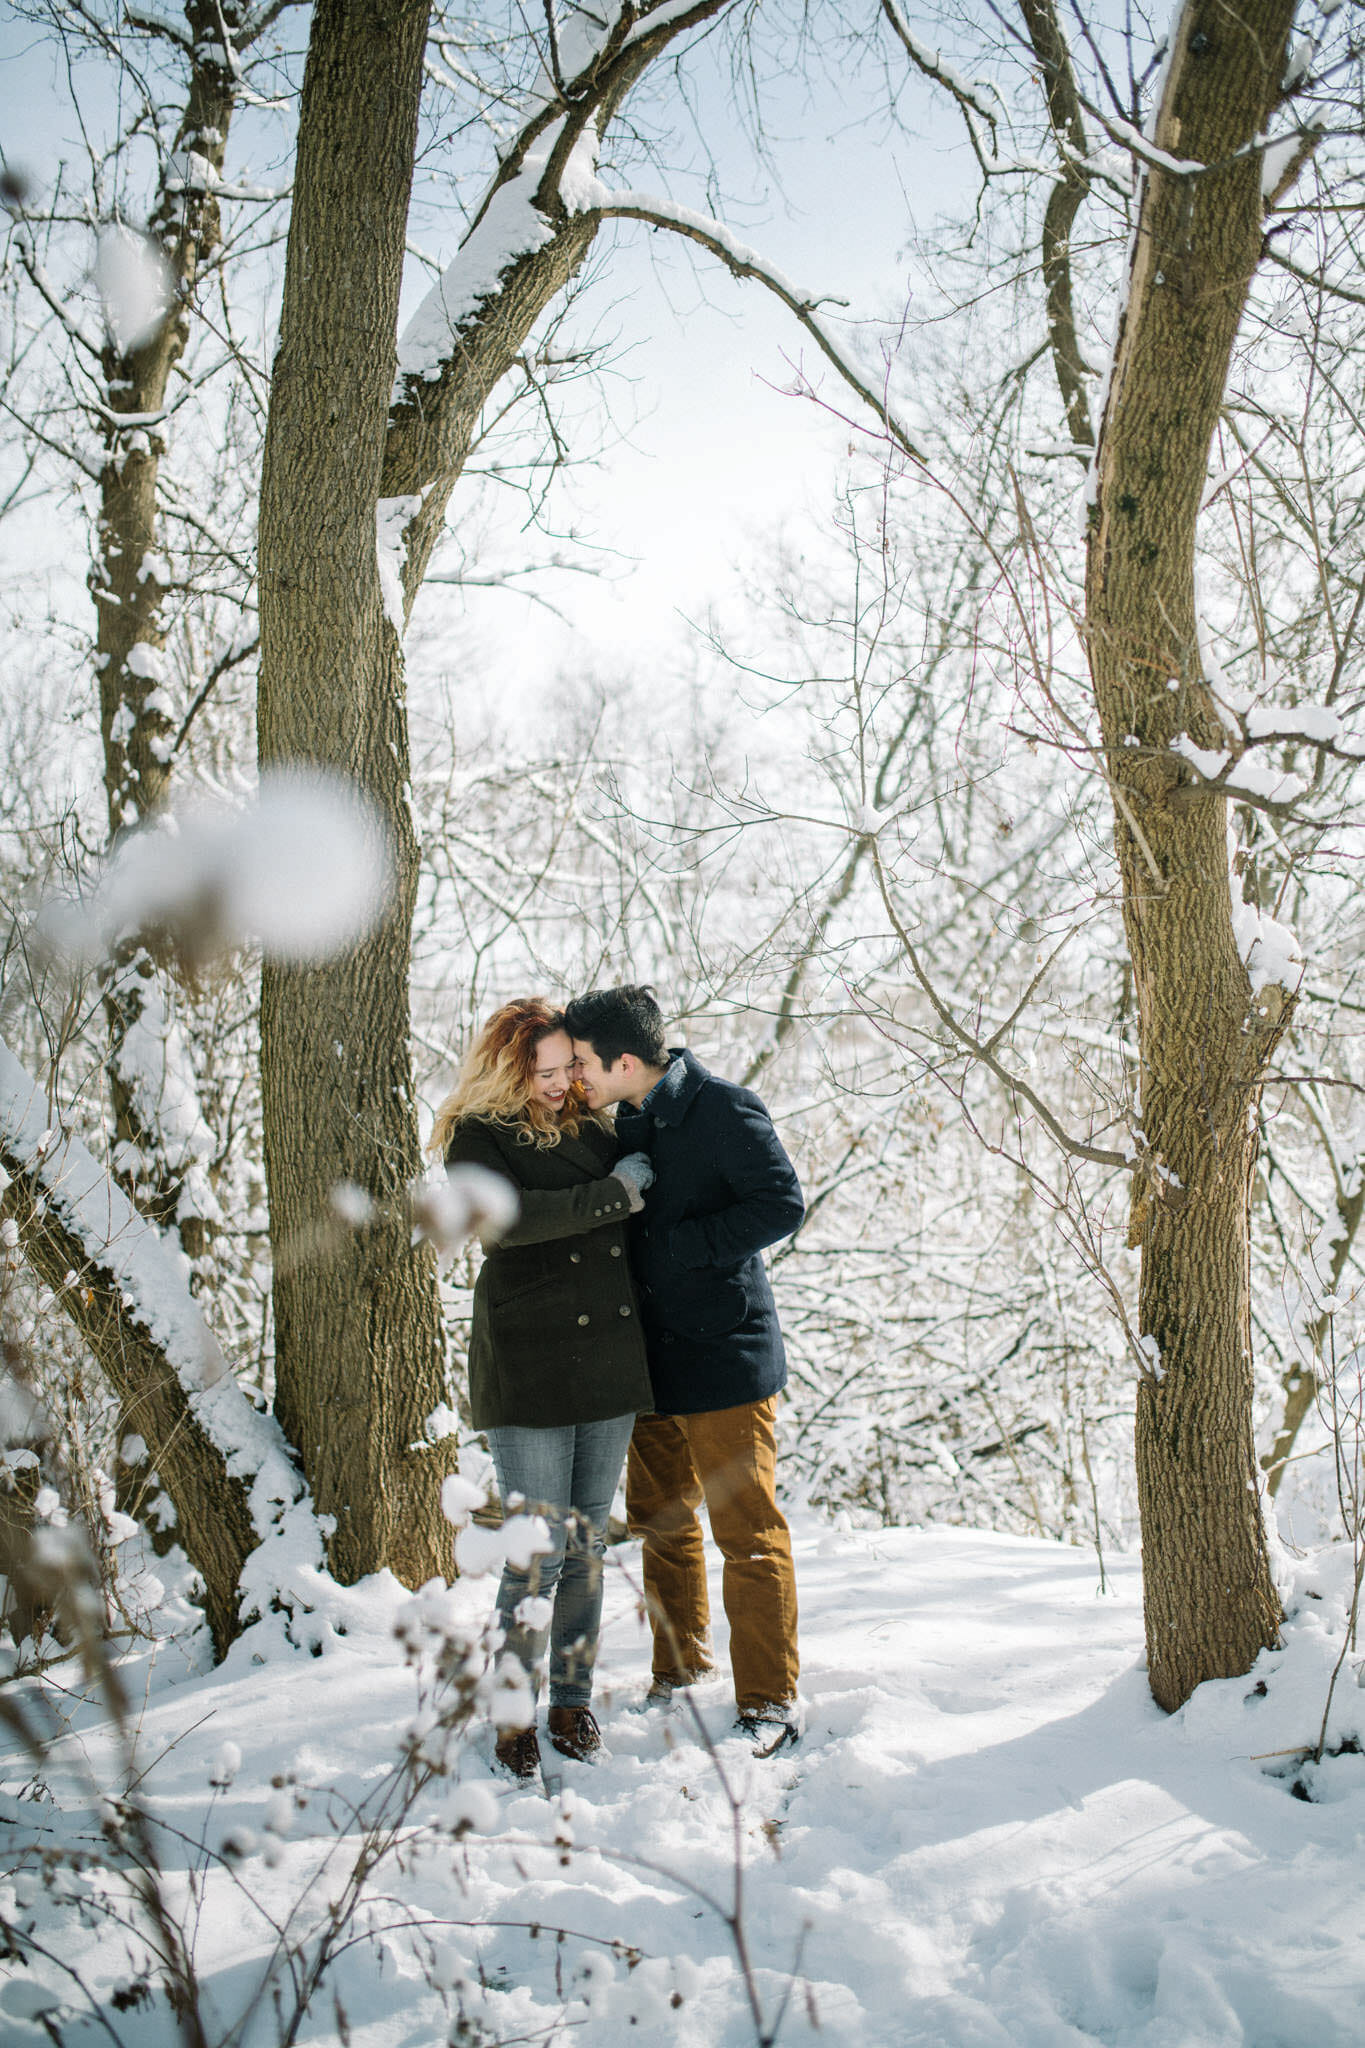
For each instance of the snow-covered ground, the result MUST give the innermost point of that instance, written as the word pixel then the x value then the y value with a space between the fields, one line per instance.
pixel 990 1837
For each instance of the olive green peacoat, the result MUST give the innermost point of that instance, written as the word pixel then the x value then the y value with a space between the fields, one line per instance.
pixel 556 1334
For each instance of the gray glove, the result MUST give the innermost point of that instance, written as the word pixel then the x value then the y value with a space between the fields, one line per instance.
pixel 635 1174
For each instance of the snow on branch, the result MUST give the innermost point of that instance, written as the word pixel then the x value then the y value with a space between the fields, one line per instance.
pixel 153 23
pixel 1238 771
pixel 144 1280
pixel 151 1278
pixel 1146 151
pixel 742 261
pixel 931 63
pixel 1270 952
pixel 547 168
pixel 508 228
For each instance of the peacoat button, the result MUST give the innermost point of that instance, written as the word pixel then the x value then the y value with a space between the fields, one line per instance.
pixel 581 1321
pixel 575 1258
pixel 623 1310
pixel 616 1251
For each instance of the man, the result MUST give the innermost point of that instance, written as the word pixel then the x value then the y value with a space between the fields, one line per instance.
pixel 723 1190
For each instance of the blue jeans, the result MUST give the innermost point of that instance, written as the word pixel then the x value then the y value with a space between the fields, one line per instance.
pixel 569 1475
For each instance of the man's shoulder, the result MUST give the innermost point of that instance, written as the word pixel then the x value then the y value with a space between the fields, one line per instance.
pixel 734 1095
pixel 713 1095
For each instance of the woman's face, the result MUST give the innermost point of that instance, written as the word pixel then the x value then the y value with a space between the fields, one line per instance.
pixel 553 1069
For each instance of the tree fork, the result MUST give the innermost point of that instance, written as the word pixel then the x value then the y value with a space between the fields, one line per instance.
pixel 1205 1035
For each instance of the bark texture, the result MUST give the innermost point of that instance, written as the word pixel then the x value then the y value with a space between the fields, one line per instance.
pixel 359 1351
pixel 1205 1037
pixel 213 1518
pixel 137 725
pixel 136 722
pixel 127 580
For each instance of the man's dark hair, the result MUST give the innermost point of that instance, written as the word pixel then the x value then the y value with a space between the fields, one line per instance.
pixel 617 1020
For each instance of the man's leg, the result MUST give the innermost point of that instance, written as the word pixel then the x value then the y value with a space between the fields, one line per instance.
pixel 735 1453
pixel 662 1498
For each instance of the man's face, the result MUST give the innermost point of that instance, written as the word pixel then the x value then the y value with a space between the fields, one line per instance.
pixel 601 1085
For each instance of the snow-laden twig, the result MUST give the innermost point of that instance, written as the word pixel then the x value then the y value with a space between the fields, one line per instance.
pixel 934 67
pixel 743 262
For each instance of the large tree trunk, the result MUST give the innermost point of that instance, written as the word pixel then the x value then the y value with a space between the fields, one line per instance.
pixel 1205 1036
pixel 358 1346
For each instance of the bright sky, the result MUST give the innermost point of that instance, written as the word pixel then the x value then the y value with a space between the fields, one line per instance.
pixel 721 456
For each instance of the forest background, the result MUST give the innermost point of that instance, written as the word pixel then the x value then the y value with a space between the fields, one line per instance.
pixel 971 758
pixel 1082 1144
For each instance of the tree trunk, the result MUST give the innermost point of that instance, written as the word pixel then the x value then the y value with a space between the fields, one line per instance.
pixel 136 721
pixel 1302 1383
pixel 137 725
pixel 359 1353
pixel 1205 1034
pixel 213 1517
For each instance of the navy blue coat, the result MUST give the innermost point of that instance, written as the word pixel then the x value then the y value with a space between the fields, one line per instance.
pixel 724 1189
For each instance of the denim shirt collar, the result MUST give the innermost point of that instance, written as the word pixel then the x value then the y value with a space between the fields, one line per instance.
pixel 670 1097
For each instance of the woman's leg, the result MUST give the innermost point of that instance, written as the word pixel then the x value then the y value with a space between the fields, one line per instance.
pixel 538 1464
pixel 598 1455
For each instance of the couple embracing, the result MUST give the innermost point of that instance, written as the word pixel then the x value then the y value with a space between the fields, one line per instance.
pixel 628 1309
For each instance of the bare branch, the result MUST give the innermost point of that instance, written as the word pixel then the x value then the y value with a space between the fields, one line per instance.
pixel 980 1050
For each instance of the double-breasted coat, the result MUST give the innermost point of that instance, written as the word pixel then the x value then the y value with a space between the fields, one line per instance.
pixel 556 1336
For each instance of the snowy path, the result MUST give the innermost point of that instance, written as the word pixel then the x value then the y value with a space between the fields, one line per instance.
pixel 989 1839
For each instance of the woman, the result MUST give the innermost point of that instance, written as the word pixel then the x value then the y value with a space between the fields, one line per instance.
pixel 556 1357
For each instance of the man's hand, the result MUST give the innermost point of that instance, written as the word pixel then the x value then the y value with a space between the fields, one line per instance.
pixel 635 1174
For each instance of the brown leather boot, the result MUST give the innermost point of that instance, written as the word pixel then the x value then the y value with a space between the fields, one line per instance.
pixel 574 1732
pixel 518 1753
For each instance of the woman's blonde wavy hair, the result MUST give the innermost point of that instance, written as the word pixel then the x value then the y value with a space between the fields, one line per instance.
pixel 495 1079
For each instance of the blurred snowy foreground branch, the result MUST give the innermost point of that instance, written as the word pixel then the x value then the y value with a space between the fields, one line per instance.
pixel 304 870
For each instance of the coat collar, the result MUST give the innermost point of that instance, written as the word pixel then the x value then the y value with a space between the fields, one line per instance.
pixel 584 1153
pixel 672 1095
pixel 582 1150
